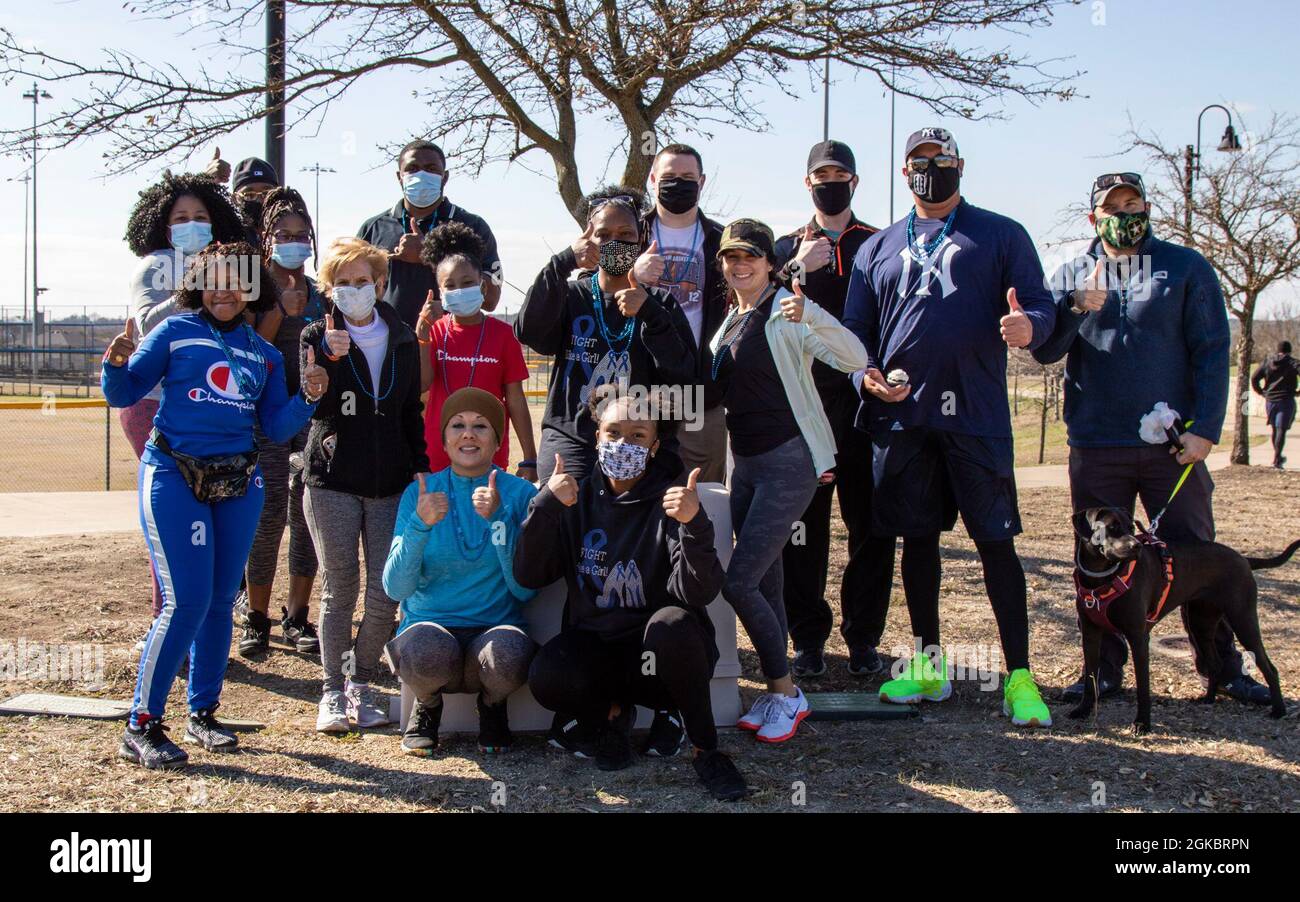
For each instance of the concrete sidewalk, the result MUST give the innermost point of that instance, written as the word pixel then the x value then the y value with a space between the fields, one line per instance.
pixel 28 514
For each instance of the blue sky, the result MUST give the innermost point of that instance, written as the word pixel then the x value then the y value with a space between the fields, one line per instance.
pixel 1159 61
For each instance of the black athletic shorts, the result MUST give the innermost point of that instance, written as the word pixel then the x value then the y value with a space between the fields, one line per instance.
pixel 924 477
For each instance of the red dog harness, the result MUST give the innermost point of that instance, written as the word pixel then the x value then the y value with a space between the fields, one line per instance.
pixel 1095 602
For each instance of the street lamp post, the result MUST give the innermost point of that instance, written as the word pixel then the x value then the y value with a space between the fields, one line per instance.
pixel 1192 162
pixel 318 169
pixel 35 95
pixel 27 181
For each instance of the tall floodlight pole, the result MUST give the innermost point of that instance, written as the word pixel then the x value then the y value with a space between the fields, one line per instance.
pixel 35 95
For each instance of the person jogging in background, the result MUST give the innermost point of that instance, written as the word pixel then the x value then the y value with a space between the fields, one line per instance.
pixel 1126 353
pixel 466 347
pixel 289 242
pixel 820 255
pixel 250 181
pixel 938 298
pixel 172 220
pixel 201 490
pixel 600 327
pixel 451 566
pixel 1276 379
pixel 423 174
pixel 636 551
pixel 680 257
pixel 365 446
pixel 761 361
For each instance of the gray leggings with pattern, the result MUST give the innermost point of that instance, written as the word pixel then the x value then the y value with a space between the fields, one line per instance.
pixel 433 659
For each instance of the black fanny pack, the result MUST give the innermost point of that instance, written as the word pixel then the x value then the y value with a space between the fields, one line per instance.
pixel 211 478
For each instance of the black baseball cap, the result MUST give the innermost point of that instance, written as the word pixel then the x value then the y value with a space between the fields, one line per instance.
pixel 253 170
pixel 1103 185
pixel 932 135
pixel 750 236
pixel 831 153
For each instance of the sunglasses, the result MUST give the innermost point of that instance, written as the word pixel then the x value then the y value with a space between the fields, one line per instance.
pixel 1117 178
pixel 921 164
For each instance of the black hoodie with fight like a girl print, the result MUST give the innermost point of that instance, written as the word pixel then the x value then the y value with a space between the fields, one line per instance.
pixel 621 556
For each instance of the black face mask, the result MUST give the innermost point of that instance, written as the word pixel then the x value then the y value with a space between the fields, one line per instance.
pixel 679 195
pixel 935 185
pixel 250 209
pixel 832 198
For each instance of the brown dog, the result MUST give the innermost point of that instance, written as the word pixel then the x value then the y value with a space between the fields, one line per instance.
pixel 1128 583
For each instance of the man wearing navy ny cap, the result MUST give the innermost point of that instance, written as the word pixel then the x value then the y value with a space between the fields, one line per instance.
pixel 937 298
pixel 1143 321
pixel 250 181
pixel 819 254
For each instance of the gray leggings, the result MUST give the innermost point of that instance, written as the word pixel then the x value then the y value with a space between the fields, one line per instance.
pixel 337 520
pixel 284 494
pixel 769 493
pixel 433 659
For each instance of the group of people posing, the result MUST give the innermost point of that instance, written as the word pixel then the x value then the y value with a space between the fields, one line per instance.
pixel 368 408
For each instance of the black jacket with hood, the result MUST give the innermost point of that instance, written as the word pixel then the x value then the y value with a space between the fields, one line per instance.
pixel 621 557
pixel 378 447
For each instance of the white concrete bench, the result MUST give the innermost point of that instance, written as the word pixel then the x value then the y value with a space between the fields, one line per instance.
pixel 544 612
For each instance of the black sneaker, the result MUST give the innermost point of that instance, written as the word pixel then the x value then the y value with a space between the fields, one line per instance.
pixel 299 633
pixel 578 737
pixel 720 777
pixel 494 736
pixel 149 745
pixel 665 739
pixel 865 661
pixel 1107 686
pixel 207 731
pixel 808 662
pixel 614 751
pixel 256 637
pixel 241 609
pixel 421 734
pixel 1246 689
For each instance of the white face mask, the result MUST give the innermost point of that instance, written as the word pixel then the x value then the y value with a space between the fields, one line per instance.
pixel 356 301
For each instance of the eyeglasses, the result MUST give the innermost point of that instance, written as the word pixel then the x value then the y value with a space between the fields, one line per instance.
pixel 283 237
pixel 921 164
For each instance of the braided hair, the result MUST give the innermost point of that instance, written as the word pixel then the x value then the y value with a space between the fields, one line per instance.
pixel 452 240
pixel 266 294
pixel 147 229
pixel 630 199
pixel 280 202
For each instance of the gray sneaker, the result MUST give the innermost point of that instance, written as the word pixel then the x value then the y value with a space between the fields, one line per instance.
pixel 366 706
pixel 332 716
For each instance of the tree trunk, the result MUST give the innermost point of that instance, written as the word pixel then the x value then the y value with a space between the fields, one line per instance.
pixel 1240 401
pixel 1042 425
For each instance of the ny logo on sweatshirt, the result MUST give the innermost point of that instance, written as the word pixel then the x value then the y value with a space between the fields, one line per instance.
pixel 937 265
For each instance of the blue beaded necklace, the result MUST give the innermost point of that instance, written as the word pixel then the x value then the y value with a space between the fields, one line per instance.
pixel 467 551
pixel 725 346
pixel 933 244
pixel 629 328
pixel 250 385
pixel 392 380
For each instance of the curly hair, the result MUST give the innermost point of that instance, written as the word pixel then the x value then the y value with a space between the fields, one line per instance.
pixel 630 199
pixel 189 294
pixel 284 202
pixel 657 404
pixel 147 229
pixel 452 239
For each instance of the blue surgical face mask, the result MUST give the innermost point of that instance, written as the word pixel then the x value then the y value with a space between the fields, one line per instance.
pixel 622 460
pixel 422 188
pixel 463 301
pixel 291 255
pixel 191 237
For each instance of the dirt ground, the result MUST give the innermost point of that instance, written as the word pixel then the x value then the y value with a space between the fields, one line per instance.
pixel 962 755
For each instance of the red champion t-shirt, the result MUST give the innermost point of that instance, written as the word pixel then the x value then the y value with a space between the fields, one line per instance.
pixel 498 362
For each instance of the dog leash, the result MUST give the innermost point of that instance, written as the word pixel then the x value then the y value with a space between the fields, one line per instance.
pixel 1155 521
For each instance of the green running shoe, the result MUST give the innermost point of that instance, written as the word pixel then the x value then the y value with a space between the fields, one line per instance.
pixel 921 681
pixel 1022 703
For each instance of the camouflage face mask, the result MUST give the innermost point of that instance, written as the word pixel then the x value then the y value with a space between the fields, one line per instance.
pixel 1123 230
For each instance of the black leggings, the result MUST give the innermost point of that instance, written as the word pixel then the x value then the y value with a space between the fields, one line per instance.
pixel 1004 579
pixel 579 672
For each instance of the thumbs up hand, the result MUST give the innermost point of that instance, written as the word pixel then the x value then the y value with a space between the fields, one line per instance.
pixel 123 344
pixel 630 299
pixel 649 267
pixel 585 250
pixel 293 298
pixel 315 381
pixel 682 503
pixel 563 486
pixel 410 246
pixel 792 305
pixel 430 507
pixel 217 168
pixel 814 250
pixel 1017 330
pixel 486 499
pixel 1092 296
pixel 429 314
pixel 338 341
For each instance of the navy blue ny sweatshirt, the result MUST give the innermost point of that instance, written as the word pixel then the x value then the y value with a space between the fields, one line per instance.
pixel 1162 336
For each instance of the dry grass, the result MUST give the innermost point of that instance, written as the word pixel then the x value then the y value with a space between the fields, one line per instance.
pixel 961 755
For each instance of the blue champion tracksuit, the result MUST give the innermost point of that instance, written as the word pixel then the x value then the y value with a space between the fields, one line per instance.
pixel 198 550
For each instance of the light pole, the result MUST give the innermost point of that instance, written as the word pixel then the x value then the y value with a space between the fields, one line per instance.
pixel 318 169
pixel 26 180
pixel 1192 162
pixel 275 44
pixel 35 95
